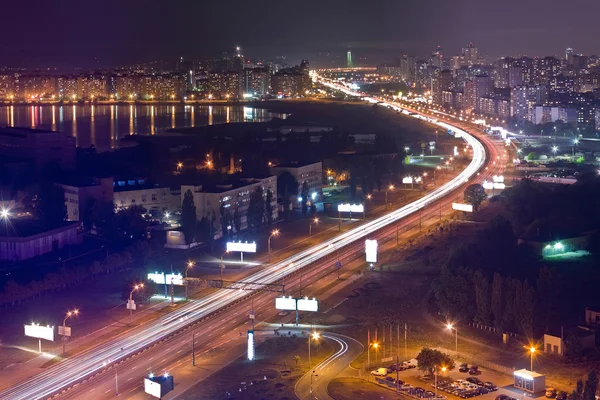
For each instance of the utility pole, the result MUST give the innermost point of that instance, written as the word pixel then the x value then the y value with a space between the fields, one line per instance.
pixel 193 348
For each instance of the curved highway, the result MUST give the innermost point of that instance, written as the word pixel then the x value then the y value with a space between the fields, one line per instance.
pixel 89 363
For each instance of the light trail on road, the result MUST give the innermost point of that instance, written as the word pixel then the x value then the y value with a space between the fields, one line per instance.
pixel 95 360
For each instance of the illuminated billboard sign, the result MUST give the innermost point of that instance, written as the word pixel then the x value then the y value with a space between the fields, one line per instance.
pixel 242 247
pixel 499 185
pixel 251 345
pixel 152 388
pixel 307 304
pixel 493 185
pixel 169 279
pixel 498 179
pixel 40 332
pixel 355 208
pixel 285 303
pixel 371 250
pixel 462 207
pixel 408 180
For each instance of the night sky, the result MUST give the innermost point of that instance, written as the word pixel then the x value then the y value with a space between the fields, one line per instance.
pixel 65 33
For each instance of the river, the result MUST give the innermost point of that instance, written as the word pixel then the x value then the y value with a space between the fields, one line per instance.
pixel 103 125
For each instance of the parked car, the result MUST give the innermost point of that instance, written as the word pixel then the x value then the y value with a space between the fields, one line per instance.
pixel 474 380
pixel 474 370
pixel 550 393
pixel 464 367
pixel 406 386
pixel 490 386
pixel 429 394
pixel 561 395
pixel 502 397
pixel 412 363
pixel 379 372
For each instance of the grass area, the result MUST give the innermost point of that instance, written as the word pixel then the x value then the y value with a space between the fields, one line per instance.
pixel 275 361
pixel 354 388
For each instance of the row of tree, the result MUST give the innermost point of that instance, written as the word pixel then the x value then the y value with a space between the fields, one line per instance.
pixel 135 255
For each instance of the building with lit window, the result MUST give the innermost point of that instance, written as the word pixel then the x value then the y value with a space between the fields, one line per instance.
pixel 523 98
pixel 231 196
pixel 311 173
pixel 83 192
pixel 138 192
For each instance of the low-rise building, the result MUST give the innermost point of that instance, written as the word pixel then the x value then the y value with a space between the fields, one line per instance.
pixel 558 343
pixel 233 195
pixel 592 316
pixel 311 173
pixel 138 192
pixel 79 193
pixel 24 239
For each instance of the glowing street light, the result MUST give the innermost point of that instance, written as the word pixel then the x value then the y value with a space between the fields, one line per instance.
pixel 314 221
pixel 274 233
pixel 554 149
pixel 391 187
pixel 532 351
pixel 4 213
pixel 179 166
pixel 313 336
pixel 69 314
pixel 451 327
pixel 136 287
pixel 190 265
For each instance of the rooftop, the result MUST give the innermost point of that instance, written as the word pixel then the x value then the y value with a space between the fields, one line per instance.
pixel 527 374
pixel 24 227
pixel 296 164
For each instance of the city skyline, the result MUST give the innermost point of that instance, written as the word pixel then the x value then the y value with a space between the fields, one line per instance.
pixel 80 36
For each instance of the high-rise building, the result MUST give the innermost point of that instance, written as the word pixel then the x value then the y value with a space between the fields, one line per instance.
pixel 524 98
pixel 437 58
pixel 349 59
pixel 257 81
pixel 441 81
pixel 569 55
pixel 471 54
pixel 408 68
pixel 475 88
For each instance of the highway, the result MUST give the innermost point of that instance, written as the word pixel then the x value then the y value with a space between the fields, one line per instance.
pixel 100 358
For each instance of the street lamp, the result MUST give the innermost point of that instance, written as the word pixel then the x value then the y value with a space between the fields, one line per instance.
pixel 67 316
pixel 313 336
pixel 391 187
pixel 179 166
pixel 435 375
pixel 4 213
pixel 531 353
pixel 190 265
pixel 221 266
pixel 450 327
pixel 314 221
pixel 136 287
pixel 554 149
pixel 274 233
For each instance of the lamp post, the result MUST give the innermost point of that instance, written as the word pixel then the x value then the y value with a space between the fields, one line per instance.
pixel 221 266
pixel 531 353
pixel 314 221
pixel 190 265
pixel 274 233
pixel 313 336
pixel 391 187
pixel 311 380
pixel 435 375
pixel 451 327
pixel 67 316
pixel 375 346
pixel 136 287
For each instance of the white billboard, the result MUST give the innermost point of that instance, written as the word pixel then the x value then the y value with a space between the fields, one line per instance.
pixel 40 332
pixel 498 178
pixel 250 345
pixel 152 388
pixel 162 278
pixel 285 303
pixel 408 180
pixel 462 207
pixel 242 247
pixel 499 185
pixel 307 304
pixel 488 185
pixel 371 250
pixel 355 208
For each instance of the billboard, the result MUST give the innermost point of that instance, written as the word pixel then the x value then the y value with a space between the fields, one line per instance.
pixel 462 207
pixel 499 185
pixel 243 247
pixel 159 386
pixel 64 330
pixel 162 278
pixel 498 179
pixel 408 180
pixel 251 345
pixel 307 304
pixel 285 303
pixel 355 208
pixel 488 185
pixel 152 388
pixel 493 185
pixel 371 250
pixel 40 332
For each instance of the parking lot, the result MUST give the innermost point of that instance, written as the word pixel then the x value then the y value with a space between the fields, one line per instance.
pixel 455 385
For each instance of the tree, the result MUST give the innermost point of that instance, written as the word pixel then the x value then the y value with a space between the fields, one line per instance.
pixel 224 217
pixel 237 219
pixel 482 298
pixel 430 359
pixel 591 385
pixel 533 156
pixel 269 208
pixel 129 224
pixel 287 186
pixel 50 208
pixel 313 210
pixel 102 216
pixel 577 394
pixel 475 195
pixel 304 196
pixel 497 305
pixel 256 208
pixel 188 216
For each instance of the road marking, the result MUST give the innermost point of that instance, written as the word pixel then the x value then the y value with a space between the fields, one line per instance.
pixel 129 379
pixel 164 359
pixel 92 389
pixel 108 390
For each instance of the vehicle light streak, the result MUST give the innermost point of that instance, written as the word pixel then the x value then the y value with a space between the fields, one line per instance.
pixel 94 360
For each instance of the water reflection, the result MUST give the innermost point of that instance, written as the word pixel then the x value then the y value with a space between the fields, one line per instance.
pixel 100 125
